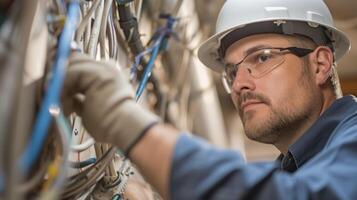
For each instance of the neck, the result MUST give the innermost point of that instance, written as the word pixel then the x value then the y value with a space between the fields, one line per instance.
pixel 292 134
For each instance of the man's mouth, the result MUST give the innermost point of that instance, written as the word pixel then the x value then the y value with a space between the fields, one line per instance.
pixel 249 103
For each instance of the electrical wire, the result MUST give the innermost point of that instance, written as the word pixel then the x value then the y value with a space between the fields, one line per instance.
pixel 86 20
pixel 78 178
pixel 130 28
pixel 35 180
pixel 57 173
pixel 52 97
pixel 79 153
pixel 61 6
pixel 177 7
pixel 119 34
pixel 160 40
pixel 113 43
pixel 93 42
pixel 65 134
pixel 79 183
pixel 117 197
pixel 15 36
pixel 103 27
pixel 83 164
pixel 84 146
pixel 148 70
pixel 138 11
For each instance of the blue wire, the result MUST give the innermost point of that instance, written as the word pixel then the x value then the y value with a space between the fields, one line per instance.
pixel 52 98
pixel 161 37
pixel 148 69
pixel 137 62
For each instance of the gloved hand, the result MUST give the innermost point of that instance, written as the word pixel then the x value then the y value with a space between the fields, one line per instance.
pixel 106 102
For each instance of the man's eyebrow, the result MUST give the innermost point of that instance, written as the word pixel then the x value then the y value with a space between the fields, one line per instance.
pixel 249 51
pixel 255 48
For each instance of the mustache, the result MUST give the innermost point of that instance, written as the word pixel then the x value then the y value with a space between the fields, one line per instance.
pixel 252 96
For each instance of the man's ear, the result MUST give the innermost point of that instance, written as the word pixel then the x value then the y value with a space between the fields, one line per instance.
pixel 323 60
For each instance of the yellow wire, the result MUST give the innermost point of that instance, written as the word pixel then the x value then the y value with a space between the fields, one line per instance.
pixel 52 172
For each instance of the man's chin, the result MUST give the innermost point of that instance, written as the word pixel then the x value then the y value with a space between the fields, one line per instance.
pixel 260 136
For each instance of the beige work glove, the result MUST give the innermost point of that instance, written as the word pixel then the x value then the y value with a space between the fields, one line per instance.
pixel 106 102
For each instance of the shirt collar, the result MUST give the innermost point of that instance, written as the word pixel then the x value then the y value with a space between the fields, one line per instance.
pixel 315 138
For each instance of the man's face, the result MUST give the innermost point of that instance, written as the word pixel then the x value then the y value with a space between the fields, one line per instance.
pixel 281 100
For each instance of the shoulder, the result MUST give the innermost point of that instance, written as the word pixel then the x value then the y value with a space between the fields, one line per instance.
pixel 345 131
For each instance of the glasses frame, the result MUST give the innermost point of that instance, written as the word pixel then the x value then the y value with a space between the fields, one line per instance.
pixel 297 51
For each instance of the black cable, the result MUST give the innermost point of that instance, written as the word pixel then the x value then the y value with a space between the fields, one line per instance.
pixel 130 27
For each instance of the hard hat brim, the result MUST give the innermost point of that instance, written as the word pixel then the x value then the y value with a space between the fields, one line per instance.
pixel 208 52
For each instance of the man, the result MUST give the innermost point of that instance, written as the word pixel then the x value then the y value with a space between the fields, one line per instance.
pixel 277 60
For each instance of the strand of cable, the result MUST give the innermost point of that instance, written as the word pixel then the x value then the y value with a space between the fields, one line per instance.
pixel 160 40
pixel 86 21
pixel 84 146
pixel 81 178
pixel 139 9
pixel 93 42
pixel 14 36
pixel 35 180
pixel 177 7
pixel 103 27
pixel 84 163
pixel 113 43
pixel 65 134
pixel 101 17
pixel 79 183
pixel 129 26
pixel 52 97
pixel 119 34
pixel 59 174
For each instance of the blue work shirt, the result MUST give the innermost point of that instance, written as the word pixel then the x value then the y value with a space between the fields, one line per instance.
pixel 321 164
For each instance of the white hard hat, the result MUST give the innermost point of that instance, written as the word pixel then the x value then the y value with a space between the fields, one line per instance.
pixel 241 18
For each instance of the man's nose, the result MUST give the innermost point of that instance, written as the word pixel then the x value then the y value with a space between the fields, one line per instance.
pixel 243 81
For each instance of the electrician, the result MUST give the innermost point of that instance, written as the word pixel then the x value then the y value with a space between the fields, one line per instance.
pixel 278 63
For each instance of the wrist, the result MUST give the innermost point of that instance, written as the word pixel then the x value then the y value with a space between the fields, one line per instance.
pixel 133 123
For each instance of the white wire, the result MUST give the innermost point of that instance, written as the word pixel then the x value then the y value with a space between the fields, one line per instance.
pixel 177 7
pixel 84 146
pixel 138 11
pixel 86 20
pixel 103 27
pixel 93 43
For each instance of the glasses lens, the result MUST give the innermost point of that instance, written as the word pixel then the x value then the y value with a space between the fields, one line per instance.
pixel 258 64
pixel 226 83
pixel 228 76
pixel 263 61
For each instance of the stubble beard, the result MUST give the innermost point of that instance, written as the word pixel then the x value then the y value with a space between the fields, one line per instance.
pixel 278 122
pixel 282 119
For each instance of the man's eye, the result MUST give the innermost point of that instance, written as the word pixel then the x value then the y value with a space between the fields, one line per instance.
pixel 263 58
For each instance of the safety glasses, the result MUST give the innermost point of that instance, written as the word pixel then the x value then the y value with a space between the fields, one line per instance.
pixel 259 63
